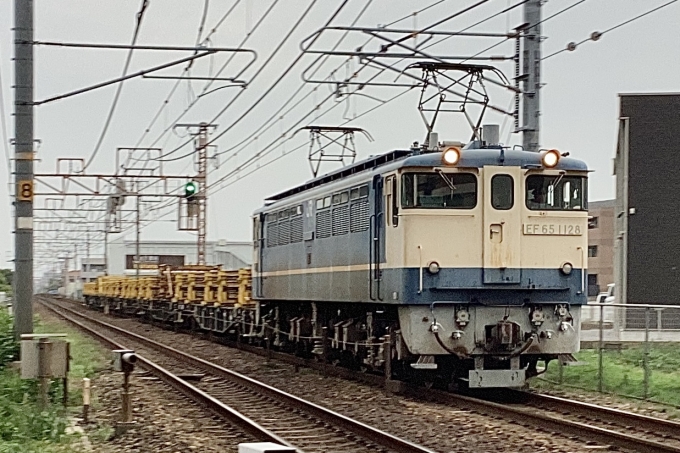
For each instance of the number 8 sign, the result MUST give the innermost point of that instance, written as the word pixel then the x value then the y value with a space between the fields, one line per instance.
pixel 25 191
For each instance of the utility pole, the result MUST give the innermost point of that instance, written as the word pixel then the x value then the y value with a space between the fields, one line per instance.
pixel 532 75
pixel 23 175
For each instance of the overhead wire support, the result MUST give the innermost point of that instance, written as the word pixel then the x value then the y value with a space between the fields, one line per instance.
pixel 203 51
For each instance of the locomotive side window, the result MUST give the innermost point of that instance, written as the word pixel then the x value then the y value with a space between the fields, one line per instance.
pixel 556 193
pixel 439 190
pixel 502 192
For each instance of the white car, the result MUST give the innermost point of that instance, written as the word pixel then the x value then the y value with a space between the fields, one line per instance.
pixel 606 297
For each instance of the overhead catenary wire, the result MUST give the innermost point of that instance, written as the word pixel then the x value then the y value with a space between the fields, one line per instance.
pixel 290 99
pixel 252 107
pixel 114 104
pixel 448 18
pixel 167 204
pixel 266 92
pixel 595 36
pixel 389 100
pixel 208 84
pixel 269 123
pixel 454 15
pixel 266 150
pixel 164 104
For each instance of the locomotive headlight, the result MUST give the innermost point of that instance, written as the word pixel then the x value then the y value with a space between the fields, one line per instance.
pixel 451 155
pixel 550 158
pixel 433 267
pixel 566 268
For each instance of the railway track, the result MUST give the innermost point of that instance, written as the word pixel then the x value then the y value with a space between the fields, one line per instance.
pixel 263 411
pixel 598 426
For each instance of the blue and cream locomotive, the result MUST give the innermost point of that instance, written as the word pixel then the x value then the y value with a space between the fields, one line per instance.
pixel 470 261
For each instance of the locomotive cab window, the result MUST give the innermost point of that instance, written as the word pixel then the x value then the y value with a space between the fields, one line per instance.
pixel 439 190
pixel 556 193
pixel 502 192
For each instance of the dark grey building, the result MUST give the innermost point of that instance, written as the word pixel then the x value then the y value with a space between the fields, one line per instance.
pixel 647 211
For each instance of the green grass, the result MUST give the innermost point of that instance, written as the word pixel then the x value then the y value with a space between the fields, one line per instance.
pixel 24 426
pixel 623 373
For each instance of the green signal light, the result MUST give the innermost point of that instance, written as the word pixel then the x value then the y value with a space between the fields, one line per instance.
pixel 190 189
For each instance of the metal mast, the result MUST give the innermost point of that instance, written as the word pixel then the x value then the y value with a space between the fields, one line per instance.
pixel 532 75
pixel 202 198
pixel 23 175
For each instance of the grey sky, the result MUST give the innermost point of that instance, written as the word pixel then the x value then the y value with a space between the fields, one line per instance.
pixel 579 100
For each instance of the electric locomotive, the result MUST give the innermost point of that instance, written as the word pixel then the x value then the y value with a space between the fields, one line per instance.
pixel 467 263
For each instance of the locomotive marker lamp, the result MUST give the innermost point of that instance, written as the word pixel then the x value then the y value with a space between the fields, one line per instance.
pixel 566 268
pixel 433 267
pixel 451 155
pixel 550 158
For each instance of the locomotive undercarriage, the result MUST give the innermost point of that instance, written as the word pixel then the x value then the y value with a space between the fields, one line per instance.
pixel 353 336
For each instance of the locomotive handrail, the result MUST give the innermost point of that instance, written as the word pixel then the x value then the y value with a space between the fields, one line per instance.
pixel 420 268
pixel 371 221
pixel 583 270
pixel 377 255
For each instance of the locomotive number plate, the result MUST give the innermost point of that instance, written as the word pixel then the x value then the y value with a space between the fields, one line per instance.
pixel 551 229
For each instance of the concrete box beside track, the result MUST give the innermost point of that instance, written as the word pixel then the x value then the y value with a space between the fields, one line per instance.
pixel 56 357
pixel 264 447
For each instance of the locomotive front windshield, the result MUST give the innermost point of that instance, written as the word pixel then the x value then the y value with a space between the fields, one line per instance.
pixel 556 193
pixel 439 190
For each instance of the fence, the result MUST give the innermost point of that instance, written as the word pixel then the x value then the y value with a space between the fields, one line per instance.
pixel 630 350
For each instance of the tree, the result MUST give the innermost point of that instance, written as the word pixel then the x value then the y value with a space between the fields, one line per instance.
pixel 6 276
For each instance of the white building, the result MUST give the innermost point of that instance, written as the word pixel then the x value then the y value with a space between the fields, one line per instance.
pixel 91 268
pixel 122 253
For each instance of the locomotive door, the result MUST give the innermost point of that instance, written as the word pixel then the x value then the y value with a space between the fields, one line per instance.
pixel 376 237
pixel 502 230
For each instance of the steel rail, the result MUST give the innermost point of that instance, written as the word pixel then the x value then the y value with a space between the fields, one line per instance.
pixel 659 426
pixel 368 432
pixel 552 423
pixel 175 382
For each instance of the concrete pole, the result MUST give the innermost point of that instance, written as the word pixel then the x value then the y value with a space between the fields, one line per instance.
pixel 532 72
pixel 23 176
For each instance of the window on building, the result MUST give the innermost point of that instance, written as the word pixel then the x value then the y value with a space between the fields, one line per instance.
pixel 592 222
pixel 593 286
pixel 592 251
